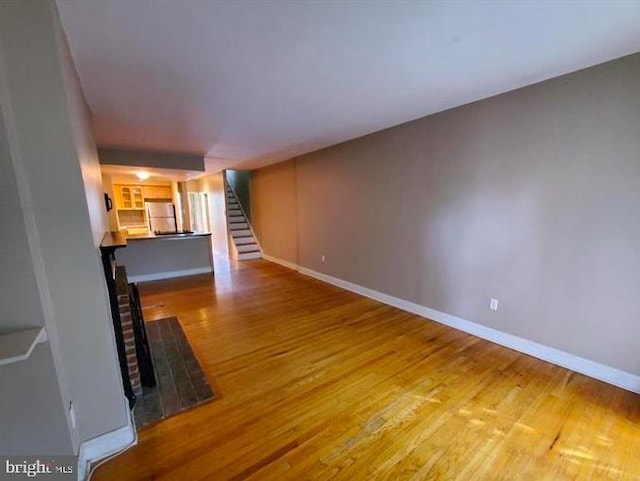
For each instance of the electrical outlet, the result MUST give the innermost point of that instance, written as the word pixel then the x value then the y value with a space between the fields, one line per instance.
pixel 322 258
pixel 493 304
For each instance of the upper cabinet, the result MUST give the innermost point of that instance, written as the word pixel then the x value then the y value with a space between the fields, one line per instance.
pixel 157 192
pixel 129 197
pixel 134 196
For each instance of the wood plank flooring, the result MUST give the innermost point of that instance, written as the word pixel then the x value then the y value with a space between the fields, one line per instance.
pixel 317 383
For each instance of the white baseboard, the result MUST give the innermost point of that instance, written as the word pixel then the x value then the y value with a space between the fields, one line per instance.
pixel 602 372
pixel 170 275
pixel 105 445
pixel 275 260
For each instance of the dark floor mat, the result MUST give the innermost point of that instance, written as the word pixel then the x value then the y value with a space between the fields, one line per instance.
pixel 181 384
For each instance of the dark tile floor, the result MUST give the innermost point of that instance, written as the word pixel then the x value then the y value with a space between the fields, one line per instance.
pixel 181 384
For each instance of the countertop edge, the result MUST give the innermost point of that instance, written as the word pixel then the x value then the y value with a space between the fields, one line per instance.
pixel 141 237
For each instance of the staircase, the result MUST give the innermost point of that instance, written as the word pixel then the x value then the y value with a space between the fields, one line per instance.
pixel 244 244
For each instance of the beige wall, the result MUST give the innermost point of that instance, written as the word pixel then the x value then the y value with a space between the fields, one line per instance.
pixel 529 197
pixel 213 185
pixel 112 216
pixel 274 206
pixel 60 193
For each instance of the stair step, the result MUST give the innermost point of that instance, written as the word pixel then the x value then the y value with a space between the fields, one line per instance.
pixel 237 219
pixel 244 240
pixel 238 226
pixel 253 247
pixel 241 233
pixel 234 212
pixel 249 255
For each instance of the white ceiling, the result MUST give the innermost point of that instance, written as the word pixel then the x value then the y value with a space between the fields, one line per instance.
pixel 253 82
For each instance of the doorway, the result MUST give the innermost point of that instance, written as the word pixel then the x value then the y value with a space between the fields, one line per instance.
pixel 199 209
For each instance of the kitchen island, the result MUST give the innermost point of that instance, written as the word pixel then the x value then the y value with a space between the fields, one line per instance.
pixel 149 257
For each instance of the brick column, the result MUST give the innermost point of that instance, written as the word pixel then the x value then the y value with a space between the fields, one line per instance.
pixel 122 290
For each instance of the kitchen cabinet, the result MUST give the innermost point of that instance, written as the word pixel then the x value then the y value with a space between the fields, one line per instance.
pixel 134 196
pixel 129 197
pixel 137 230
pixel 132 218
pixel 157 192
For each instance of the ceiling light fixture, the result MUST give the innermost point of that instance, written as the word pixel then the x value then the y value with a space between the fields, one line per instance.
pixel 142 175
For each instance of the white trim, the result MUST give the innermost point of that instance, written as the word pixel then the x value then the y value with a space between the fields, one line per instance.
pixel 105 445
pixel 282 262
pixel 171 274
pixel 602 372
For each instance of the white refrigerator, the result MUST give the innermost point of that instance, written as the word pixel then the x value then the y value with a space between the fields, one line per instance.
pixel 162 217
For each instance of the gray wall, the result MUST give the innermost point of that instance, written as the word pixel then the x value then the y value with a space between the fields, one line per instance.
pixel 159 256
pixel 32 415
pixel 30 389
pixel 55 163
pixel 85 147
pixel 161 160
pixel 240 182
pixel 528 197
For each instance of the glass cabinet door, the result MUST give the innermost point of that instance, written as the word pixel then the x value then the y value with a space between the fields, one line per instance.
pixel 138 199
pixel 125 194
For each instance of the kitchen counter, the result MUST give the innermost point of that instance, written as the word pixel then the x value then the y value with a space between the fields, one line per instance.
pixel 181 235
pixel 149 257
pixel 113 241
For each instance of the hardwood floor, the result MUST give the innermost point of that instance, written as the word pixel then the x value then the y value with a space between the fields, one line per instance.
pixel 317 383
